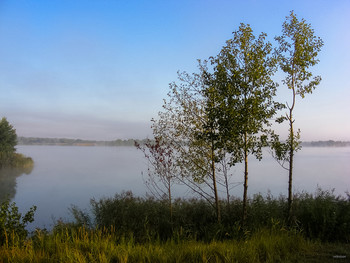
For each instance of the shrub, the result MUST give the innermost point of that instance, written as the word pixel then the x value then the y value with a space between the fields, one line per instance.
pixel 323 215
pixel 12 224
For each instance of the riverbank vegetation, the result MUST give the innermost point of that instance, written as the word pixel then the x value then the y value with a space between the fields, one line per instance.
pixel 319 216
pixel 126 228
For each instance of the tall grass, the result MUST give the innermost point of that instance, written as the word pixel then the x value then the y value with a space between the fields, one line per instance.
pixel 321 215
pixel 83 245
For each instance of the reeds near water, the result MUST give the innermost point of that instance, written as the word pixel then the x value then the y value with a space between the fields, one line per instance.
pixel 322 216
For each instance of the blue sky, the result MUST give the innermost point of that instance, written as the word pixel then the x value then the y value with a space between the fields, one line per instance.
pixel 100 69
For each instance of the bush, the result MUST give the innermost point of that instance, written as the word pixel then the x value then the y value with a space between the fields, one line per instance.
pixel 323 215
pixel 132 216
pixel 12 224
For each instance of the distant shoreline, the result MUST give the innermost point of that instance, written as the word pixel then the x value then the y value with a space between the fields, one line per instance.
pixel 329 143
pixel 74 142
pixel 131 142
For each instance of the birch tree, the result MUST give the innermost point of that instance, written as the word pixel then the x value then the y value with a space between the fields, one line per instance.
pixel 161 171
pixel 183 124
pixel 298 50
pixel 242 91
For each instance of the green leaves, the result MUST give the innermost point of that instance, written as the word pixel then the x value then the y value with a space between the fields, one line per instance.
pixel 297 52
pixel 8 141
pixel 13 223
pixel 239 94
pixel 8 137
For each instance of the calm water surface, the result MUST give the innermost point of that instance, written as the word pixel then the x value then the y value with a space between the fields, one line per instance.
pixel 66 175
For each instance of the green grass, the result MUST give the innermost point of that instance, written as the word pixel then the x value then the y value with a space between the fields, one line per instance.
pixel 82 245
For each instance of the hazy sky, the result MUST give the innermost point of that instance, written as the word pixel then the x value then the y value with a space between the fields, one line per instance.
pixel 100 69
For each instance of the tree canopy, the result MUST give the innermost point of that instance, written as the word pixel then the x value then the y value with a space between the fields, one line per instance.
pixel 240 93
pixel 8 137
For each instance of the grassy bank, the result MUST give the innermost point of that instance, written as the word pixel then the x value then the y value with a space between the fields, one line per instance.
pixel 82 245
pixel 133 229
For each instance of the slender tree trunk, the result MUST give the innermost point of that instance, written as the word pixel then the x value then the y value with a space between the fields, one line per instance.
pixel 217 205
pixel 291 160
pixel 245 185
pixel 170 202
pixel 291 155
pixel 224 169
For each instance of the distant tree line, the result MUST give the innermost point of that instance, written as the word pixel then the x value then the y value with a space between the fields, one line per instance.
pixel 132 142
pixel 76 142
pixel 329 143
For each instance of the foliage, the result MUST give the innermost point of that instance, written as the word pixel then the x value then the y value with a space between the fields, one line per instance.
pixel 323 215
pixel 8 137
pixel 298 50
pixel 133 216
pixel 8 141
pixel 242 90
pixel 8 156
pixel 12 223
pixel 180 126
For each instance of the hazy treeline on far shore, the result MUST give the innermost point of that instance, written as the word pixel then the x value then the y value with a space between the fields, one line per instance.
pixel 75 142
pixel 131 142
pixel 329 143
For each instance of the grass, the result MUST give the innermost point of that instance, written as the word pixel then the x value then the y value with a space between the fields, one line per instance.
pixel 328 252
pixel 82 245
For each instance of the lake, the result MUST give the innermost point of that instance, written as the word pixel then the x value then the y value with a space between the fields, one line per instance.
pixel 66 175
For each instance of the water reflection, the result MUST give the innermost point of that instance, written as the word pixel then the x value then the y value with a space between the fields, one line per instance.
pixel 8 181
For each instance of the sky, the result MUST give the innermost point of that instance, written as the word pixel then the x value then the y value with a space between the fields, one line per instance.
pixel 100 69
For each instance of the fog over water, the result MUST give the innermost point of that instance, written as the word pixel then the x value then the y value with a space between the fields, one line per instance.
pixel 66 175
